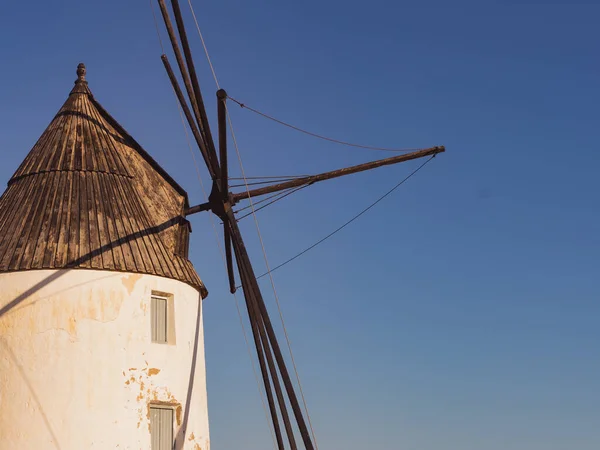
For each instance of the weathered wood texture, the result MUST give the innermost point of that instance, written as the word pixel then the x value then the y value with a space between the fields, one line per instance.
pixel 88 196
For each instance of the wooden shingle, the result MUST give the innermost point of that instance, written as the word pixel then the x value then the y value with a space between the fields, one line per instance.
pixel 87 196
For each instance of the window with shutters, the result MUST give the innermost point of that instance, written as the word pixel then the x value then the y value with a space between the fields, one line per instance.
pixel 161 427
pixel 158 316
pixel 162 318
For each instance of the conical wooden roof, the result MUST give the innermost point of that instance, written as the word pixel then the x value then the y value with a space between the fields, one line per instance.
pixel 87 196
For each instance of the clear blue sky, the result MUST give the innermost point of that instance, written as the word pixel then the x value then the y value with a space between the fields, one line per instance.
pixel 460 314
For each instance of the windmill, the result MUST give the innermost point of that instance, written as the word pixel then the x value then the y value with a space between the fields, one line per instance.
pixel 221 201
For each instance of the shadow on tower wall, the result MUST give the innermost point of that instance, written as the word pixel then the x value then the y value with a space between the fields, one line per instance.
pixel 85 258
pixel 181 434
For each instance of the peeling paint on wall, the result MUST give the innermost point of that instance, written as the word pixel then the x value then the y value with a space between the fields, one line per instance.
pixel 84 350
pixel 149 392
pixel 129 281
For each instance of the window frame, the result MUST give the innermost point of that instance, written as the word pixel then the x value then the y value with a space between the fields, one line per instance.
pixel 155 299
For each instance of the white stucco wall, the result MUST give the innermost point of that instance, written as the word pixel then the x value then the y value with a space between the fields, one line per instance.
pixel 78 369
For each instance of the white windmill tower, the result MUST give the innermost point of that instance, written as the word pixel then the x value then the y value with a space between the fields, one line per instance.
pixel 101 339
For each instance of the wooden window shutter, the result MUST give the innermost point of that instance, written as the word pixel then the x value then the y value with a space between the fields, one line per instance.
pixel 161 428
pixel 158 317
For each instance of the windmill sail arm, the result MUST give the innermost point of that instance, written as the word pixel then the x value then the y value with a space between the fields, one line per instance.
pixel 190 80
pixel 188 115
pixel 334 174
pixel 235 198
pixel 259 318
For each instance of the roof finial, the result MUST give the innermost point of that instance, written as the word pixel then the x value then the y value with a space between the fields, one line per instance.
pixel 81 72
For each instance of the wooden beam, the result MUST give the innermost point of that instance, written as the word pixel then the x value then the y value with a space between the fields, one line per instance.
pixel 235 198
pixel 224 182
pixel 198 208
pixel 336 173
pixel 212 164
pixel 222 124
pixel 204 125
pixel 252 293
pixel 186 110
pixel 260 350
pixel 258 323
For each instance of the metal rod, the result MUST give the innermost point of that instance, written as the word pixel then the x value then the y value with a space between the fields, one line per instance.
pixel 204 125
pixel 336 173
pixel 212 165
pixel 185 108
pixel 243 260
